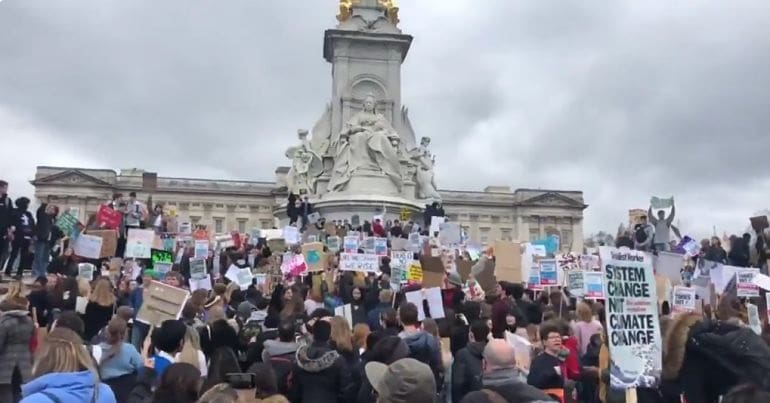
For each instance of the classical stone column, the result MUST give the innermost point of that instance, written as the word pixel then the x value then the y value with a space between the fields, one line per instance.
pixel 577 234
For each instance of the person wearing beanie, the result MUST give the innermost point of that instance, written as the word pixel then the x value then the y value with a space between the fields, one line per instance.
pixel 321 375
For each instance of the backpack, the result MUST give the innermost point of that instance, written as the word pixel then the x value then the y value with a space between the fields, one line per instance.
pixel 250 330
pixel 640 233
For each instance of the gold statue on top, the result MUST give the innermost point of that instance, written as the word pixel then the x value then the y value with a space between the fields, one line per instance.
pixel 391 10
pixel 346 9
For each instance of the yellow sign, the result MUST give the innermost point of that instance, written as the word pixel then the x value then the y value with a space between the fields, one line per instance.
pixel 405 214
pixel 414 272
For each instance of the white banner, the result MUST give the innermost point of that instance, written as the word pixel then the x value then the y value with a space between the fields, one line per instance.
pixel 363 262
pixel 632 318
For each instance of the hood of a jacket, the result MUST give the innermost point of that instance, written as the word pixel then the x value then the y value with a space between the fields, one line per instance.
pixel 420 341
pixel 67 386
pixel 314 358
pixel 476 348
pixel 276 347
pixel 675 344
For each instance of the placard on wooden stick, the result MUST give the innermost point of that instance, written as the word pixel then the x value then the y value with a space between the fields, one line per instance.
pixel 508 261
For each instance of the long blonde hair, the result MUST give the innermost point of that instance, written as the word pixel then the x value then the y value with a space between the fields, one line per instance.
pixel 63 352
pixel 190 348
pixel 341 334
pixel 102 293
pixel 84 288
pixel 584 312
pixel 116 333
pixel 360 333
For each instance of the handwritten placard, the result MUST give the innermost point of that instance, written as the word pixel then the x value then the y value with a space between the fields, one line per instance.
pixel 361 262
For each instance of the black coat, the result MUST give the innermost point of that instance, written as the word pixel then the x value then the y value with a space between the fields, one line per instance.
pixel 466 370
pixel 44 224
pixel 6 214
pixel 321 375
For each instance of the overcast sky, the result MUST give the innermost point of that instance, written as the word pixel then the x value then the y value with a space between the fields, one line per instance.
pixel 620 99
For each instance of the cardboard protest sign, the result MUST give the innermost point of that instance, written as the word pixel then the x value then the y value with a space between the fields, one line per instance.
pixel 414 242
pixel 109 241
pixel 351 244
pixel 88 246
pixel 548 274
pixel 414 272
pixel 575 283
pixel 508 261
pixel 464 269
pixel 240 276
pixel 330 229
pixel 759 223
pixel 435 225
pixel 430 295
pixel 634 337
pixel 311 234
pixel 432 271
pixel 381 246
pixel 486 277
pixel 201 250
pixel 139 243
pixel 449 233
pixel 276 245
pixel 314 256
pixel 683 299
pixel 161 302
pixel 108 218
pixel 86 271
pixel 745 283
pixel 659 203
pixel 333 243
pixel 361 262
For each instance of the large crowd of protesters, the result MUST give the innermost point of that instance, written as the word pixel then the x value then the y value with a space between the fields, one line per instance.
pixel 65 339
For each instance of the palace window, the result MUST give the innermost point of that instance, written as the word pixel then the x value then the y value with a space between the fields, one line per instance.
pixel 495 219
pixel 194 220
pixel 265 224
pixel 534 234
pixel 566 239
pixel 484 235
pixel 242 226
pixel 219 225
pixel 219 205
pixel 505 234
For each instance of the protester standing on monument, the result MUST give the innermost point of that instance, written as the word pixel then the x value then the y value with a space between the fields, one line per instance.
pixel 643 235
pixel 46 234
pixel 662 226
pixel 24 224
pixel 6 222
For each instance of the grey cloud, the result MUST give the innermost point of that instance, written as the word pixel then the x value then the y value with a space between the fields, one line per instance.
pixel 621 99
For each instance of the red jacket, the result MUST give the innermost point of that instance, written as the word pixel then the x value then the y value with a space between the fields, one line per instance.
pixel 378 230
pixel 571 366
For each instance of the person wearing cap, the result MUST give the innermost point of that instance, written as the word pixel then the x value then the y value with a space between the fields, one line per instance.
pixel 501 375
pixel 321 374
pixel 404 381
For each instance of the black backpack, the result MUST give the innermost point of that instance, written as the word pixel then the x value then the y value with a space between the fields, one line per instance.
pixel 640 233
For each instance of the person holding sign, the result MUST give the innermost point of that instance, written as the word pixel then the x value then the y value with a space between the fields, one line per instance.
pixel 662 224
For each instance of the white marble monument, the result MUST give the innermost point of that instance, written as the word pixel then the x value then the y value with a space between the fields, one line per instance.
pixel 362 156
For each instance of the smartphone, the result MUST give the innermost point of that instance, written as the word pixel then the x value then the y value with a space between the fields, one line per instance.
pixel 241 380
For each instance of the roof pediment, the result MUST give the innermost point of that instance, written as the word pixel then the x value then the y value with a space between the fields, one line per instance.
pixel 553 199
pixel 71 177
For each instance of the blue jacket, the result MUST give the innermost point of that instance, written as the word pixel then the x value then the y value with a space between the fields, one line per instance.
pixel 126 361
pixel 69 387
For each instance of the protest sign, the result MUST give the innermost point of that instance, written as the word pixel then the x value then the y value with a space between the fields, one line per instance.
pixel 594 284
pixel 435 225
pixel 314 256
pixel 400 258
pixel 161 302
pixel 754 322
pixel 589 262
pixel 659 203
pixel 86 271
pixel 201 250
pixel 508 261
pixel 632 316
pixel 198 268
pixel 549 243
pixel 381 246
pixel 486 276
pixel 534 281
pixel 670 265
pixel 184 228
pixel 762 281
pixel 109 241
pixel 361 262
pixel 404 214
pixel 333 243
pixel 575 283
pixel 548 274
pixel 88 246
pixel 683 299
pixel 68 223
pixel 414 242
pixel 291 235
pixel 313 218
pixel 161 256
pixel 759 223
pixel 346 312
pixel 449 233
pixel 368 245
pixel 269 234
pixel 398 244
pixel 293 265
pixel 276 245
pixel 169 242
pixel 432 271
pixel 464 269
pixel 162 268
pixel 139 243
pixel 108 218
pixel 414 272
pixel 224 241
pixel 433 298
pixel 351 244
pixel 200 283
pixel 744 282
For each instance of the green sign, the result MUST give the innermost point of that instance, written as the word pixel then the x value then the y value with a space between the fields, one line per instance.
pixel 67 223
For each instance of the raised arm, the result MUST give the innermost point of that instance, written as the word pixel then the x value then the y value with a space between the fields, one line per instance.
pixel 670 218
pixel 651 217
